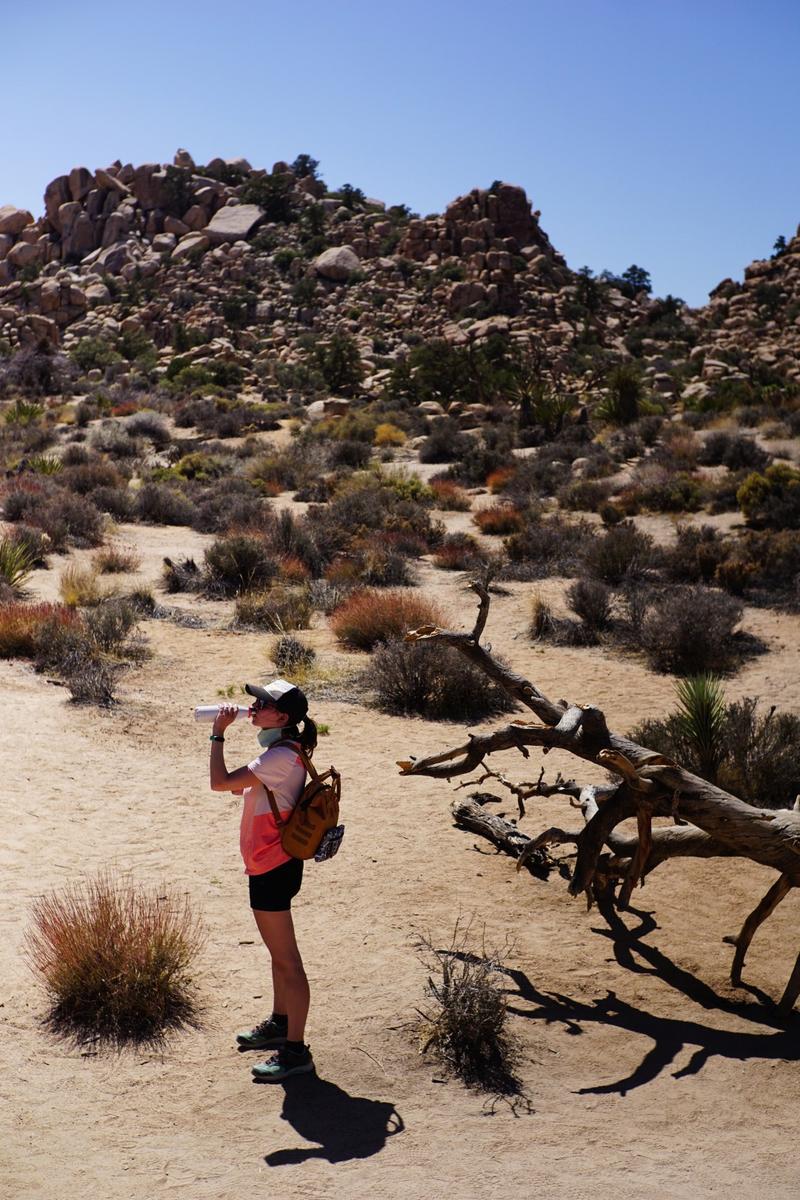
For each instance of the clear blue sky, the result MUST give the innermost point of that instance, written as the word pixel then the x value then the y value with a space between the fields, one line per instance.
pixel 664 134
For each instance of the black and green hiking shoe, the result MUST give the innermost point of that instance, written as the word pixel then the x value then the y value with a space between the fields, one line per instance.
pixel 282 1064
pixel 263 1037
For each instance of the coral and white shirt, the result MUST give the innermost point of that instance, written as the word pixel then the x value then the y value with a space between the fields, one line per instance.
pixel 282 770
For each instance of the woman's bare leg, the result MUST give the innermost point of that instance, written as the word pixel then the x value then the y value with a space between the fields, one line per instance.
pixel 289 982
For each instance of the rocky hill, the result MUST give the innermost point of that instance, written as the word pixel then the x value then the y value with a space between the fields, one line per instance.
pixel 223 262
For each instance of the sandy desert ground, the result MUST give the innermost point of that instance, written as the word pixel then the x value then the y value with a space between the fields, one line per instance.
pixel 645 1073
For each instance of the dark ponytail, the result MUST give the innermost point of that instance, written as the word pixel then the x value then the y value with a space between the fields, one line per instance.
pixel 308 737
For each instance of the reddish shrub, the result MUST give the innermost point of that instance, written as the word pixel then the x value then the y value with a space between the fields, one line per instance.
pixel 450 496
pixel 369 616
pixel 499 519
pixel 21 626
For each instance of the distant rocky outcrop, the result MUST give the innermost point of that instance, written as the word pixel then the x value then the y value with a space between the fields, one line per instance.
pixel 156 246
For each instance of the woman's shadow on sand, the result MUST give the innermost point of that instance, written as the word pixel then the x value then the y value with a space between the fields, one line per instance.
pixel 344 1126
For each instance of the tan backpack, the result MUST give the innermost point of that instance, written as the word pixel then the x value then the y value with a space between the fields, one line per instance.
pixel 315 813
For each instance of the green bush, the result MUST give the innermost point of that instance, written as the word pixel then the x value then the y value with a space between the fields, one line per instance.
pixel 772 499
pixel 755 753
pixel 238 564
pixel 434 682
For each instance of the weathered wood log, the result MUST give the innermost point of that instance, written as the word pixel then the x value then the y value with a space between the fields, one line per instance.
pixel 468 814
pixel 649 787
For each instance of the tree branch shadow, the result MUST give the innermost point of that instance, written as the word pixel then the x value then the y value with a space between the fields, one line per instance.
pixel 669 1035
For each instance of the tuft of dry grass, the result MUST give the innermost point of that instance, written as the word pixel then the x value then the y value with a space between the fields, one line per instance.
pixel 116 960
pixel 369 616
pixel 465 1023
pixel 117 559
pixel 80 587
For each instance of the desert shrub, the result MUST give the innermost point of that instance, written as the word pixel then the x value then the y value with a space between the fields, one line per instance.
pixel 696 555
pixel 465 1023
pixel 281 609
pixel 289 653
pixel 22 626
pixel 90 678
pixel 583 495
pixel 113 438
pixel 374 561
pixel 67 520
pixel 449 496
pixel 110 624
pixel 149 425
pixel 181 576
pixel 16 563
pixel 656 488
pixel 434 682
pixel 689 630
pixel 621 553
pixel 446 442
pixel 762 559
pixel 365 503
pixel 733 451
pixel 751 752
pixel 590 600
pixel 292 569
pixel 346 452
pixel 292 537
pixel 116 961
pixel 79 585
pixel 86 478
pixel 772 499
pixel 499 519
pixel 157 504
pixel 545 546
pixel 201 465
pixel 238 564
pixel 541 624
pixel 231 505
pixel 118 502
pixel 117 559
pixel 368 616
pixel 459 552
pixel 325 596
pixel 387 434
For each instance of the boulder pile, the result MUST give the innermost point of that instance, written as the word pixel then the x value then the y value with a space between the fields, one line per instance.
pixel 159 248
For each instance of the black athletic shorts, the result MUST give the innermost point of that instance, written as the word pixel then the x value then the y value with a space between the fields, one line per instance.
pixel 273 891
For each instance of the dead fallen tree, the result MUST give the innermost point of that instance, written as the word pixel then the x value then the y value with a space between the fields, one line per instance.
pixel 609 863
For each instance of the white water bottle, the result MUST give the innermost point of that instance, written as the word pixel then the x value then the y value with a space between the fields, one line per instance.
pixel 209 712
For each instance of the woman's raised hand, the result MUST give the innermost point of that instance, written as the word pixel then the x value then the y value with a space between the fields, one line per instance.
pixel 226 716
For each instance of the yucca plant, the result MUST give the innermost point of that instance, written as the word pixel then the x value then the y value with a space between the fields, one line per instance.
pixel 23 412
pixel 16 563
pixel 45 464
pixel 701 717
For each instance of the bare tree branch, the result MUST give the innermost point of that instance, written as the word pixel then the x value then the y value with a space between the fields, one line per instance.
pixel 649 787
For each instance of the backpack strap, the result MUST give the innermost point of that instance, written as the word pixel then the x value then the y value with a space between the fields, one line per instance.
pixel 279 820
pixel 301 754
